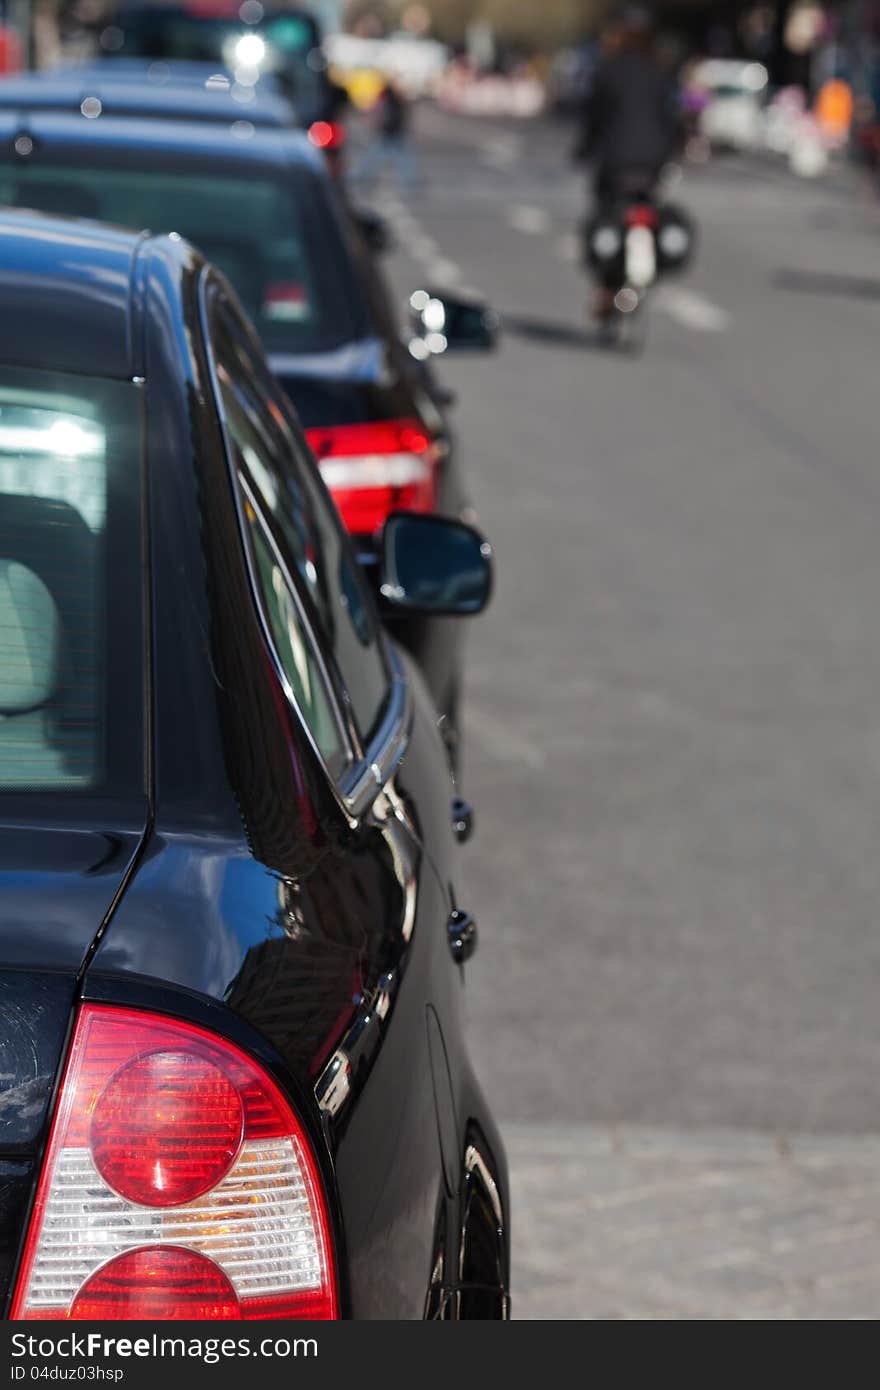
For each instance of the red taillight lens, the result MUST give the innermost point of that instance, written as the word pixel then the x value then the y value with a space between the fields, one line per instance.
pixel 376 468
pixel 642 215
pixel 286 300
pixel 157 1282
pixel 327 135
pixel 178 1183
pixel 166 1128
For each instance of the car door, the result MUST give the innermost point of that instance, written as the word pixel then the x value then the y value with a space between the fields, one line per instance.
pixel 372 1073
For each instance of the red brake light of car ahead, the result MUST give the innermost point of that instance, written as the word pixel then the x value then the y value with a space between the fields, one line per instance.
pixel 374 469
pixel 178 1183
pixel 642 215
pixel 327 135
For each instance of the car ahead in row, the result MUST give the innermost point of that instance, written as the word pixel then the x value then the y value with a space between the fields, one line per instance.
pixel 181 92
pixel 261 206
pixel 251 40
pixel 177 90
pixel 233 1080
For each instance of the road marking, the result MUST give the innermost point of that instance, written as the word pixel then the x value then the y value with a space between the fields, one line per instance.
pixel 444 272
pixel 569 247
pixel 529 219
pixel 502 152
pixel 422 246
pixel 691 310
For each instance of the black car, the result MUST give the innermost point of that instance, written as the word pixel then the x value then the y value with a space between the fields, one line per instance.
pixel 233 1080
pixel 262 207
pixel 249 39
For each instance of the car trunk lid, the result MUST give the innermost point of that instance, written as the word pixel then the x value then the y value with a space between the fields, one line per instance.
pixel 56 888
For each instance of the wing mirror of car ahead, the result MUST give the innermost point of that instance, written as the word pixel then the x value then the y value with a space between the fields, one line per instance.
pixel 443 322
pixel 375 231
pixel 434 565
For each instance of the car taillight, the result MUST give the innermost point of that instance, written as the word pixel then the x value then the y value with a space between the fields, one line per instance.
pixel 377 468
pixel 178 1183
pixel 641 215
pixel 327 135
pixel 287 300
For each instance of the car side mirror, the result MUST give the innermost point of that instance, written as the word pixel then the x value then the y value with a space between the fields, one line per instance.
pixel 434 565
pixel 375 231
pixel 443 322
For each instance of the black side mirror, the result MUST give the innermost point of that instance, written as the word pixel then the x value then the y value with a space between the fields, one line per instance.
pixel 434 565
pixel 375 231
pixel 444 322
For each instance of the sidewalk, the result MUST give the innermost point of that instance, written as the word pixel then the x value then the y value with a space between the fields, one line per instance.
pixel 659 1224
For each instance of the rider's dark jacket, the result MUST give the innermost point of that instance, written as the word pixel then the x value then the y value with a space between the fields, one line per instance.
pixel 631 118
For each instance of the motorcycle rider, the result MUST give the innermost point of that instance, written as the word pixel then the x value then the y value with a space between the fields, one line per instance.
pixel 631 124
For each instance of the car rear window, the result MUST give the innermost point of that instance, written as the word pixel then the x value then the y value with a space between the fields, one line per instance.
pixel 70 611
pixel 291 42
pixel 276 238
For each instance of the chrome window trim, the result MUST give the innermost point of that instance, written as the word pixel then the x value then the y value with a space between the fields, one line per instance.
pixel 369 769
pixel 350 753
pixel 388 745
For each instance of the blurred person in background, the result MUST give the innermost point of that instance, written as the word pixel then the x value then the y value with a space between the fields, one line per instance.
pixel 391 145
pixel 631 120
pixel 631 123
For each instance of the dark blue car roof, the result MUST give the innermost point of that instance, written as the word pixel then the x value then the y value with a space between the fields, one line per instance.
pixel 66 292
pixel 156 72
pixel 57 132
pixel 131 93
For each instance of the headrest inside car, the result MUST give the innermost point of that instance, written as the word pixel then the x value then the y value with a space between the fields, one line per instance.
pixel 29 640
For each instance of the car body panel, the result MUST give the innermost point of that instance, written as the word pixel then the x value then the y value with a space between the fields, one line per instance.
pixel 75 91
pixel 95 295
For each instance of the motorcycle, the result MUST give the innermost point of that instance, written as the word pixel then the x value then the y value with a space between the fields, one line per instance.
pixel 630 242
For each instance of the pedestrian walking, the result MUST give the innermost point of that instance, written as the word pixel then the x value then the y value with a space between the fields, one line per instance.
pixel 392 144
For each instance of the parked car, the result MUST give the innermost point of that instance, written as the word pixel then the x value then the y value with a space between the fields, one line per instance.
pixel 733 95
pixel 178 91
pixel 231 1056
pixel 248 39
pixel 164 91
pixel 261 205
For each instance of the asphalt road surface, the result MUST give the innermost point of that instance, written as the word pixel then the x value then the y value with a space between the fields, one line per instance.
pixel 673 735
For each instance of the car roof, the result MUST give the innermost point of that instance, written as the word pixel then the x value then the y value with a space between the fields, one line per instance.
pixel 218 11
pixel 241 141
pixel 159 72
pixel 196 96
pixel 66 290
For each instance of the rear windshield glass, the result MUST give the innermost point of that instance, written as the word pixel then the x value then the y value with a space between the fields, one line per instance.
pixel 289 47
pixel 276 239
pixel 70 612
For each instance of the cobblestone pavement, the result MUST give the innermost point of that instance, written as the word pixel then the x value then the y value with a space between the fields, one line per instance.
pixel 642 1223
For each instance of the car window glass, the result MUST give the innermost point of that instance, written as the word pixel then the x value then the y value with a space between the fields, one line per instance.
pixel 308 533
pixel 286 259
pixel 293 644
pixel 69 495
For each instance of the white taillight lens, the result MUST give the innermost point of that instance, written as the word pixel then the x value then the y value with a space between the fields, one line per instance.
pixel 178 1183
pixel 641 256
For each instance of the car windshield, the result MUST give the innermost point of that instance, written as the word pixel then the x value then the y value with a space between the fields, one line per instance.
pixel 70 647
pixel 276 238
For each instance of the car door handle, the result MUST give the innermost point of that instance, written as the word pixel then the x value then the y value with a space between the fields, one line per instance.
pixel 462 934
pixel 462 819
